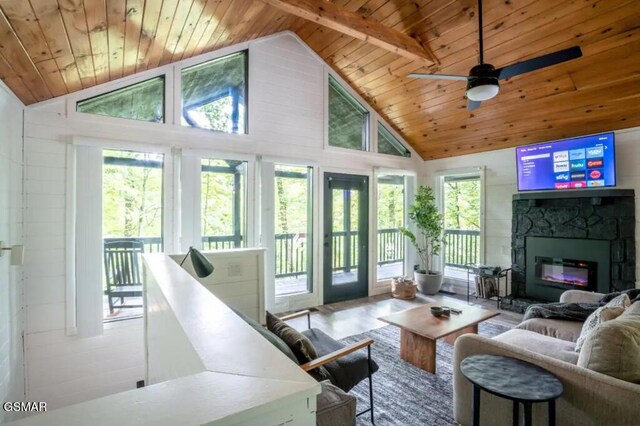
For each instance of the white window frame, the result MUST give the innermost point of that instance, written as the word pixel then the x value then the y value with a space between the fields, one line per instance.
pixel 294 301
pixel 371 143
pixel 374 118
pixel 439 193
pixel 409 250
pixel 85 321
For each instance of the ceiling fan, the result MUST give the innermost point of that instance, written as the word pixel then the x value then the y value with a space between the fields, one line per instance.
pixel 483 79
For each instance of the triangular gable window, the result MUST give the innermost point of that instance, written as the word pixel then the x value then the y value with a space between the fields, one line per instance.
pixel 142 101
pixel 348 119
pixel 389 144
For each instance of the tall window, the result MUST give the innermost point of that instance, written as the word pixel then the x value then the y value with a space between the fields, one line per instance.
pixel 294 229
pixel 132 225
pixel 348 119
pixel 391 201
pixel 389 144
pixel 223 204
pixel 462 223
pixel 214 94
pixel 141 101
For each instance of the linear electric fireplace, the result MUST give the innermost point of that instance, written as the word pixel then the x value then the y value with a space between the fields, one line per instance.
pixel 555 265
pixel 567 274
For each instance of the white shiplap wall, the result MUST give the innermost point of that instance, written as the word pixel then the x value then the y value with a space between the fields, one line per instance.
pixel 11 233
pixel 287 84
pixel 500 185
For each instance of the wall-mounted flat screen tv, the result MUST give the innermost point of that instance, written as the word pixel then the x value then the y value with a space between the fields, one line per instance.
pixel 584 162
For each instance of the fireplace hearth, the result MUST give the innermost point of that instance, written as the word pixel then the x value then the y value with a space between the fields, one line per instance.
pixel 571 240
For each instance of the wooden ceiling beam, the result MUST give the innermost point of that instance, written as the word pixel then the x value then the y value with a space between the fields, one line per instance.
pixel 357 26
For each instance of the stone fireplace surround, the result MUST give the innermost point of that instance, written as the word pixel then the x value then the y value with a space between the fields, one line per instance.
pixel 593 214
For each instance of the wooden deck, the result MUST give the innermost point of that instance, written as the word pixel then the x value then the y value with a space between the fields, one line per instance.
pixel 292 285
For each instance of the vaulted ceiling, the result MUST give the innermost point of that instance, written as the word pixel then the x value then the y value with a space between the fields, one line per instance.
pixel 50 48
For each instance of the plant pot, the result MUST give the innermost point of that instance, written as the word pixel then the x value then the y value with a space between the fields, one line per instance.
pixel 428 283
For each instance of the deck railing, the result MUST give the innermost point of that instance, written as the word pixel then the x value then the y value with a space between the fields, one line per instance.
pixel 221 242
pixel 461 248
pixel 151 244
pixel 291 249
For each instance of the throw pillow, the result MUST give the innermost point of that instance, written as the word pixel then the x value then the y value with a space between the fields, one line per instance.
pixel 319 374
pixel 610 311
pixel 613 348
pixel 271 337
pixel 297 342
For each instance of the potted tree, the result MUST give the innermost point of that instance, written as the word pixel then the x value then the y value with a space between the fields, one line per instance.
pixel 428 241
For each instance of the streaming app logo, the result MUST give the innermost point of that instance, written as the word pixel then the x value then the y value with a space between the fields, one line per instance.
pixel 562 177
pixel 578 175
pixel 561 156
pixel 577 165
pixel 595 174
pixel 562 166
pixel 577 154
pixel 593 183
pixel 594 163
pixel 579 184
pixel 562 185
pixel 595 152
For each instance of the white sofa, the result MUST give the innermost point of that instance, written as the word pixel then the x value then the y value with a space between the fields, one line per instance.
pixel 590 398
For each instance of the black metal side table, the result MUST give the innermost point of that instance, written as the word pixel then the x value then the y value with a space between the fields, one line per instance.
pixel 483 272
pixel 513 379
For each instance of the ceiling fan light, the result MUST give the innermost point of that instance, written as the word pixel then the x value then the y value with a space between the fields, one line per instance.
pixel 482 92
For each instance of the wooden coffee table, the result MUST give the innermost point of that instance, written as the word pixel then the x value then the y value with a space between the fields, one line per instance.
pixel 419 330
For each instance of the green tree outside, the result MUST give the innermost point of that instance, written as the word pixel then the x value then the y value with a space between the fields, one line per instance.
pixel 132 197
pixel 462 205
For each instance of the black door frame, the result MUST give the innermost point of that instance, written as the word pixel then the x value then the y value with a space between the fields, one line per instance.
pixel 359 288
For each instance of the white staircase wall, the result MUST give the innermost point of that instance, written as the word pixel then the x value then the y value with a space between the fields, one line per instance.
pixel 11 233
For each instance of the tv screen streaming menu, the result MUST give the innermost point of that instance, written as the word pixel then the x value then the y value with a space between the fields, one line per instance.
pixel 585 162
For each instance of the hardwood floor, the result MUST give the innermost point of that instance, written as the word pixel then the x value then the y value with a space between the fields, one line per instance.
pixel 343 319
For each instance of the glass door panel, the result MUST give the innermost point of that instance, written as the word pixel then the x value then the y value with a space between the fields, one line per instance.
pixel 462 200
pixel 390 250
pixel 293 229
pixel 132 225
pixel 345 237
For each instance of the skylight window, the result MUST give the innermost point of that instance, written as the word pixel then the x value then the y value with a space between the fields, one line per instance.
pixel 142 101
pixel 389 144
pixel 214 94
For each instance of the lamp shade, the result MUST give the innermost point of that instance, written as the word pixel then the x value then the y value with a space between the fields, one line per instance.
pixel 201 264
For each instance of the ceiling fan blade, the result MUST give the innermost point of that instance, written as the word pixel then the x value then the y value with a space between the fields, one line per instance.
pixel 539 62
pixel 471 105
pixel 440 76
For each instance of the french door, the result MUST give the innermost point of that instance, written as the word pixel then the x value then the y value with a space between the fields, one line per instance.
pixel 346 236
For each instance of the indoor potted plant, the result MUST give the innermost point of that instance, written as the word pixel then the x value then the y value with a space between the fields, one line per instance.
pixel 428 241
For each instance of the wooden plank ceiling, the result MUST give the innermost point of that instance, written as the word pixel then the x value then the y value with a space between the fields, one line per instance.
pixel 49 48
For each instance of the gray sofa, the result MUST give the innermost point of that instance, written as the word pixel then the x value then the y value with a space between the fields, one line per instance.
pixel 590 397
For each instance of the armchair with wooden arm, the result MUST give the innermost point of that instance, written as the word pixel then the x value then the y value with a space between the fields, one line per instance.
pixel 345 364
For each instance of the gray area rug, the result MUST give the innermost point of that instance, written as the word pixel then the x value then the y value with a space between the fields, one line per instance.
pixel 404 394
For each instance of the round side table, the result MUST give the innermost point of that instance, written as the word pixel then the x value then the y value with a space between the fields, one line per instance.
pixel 513 379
